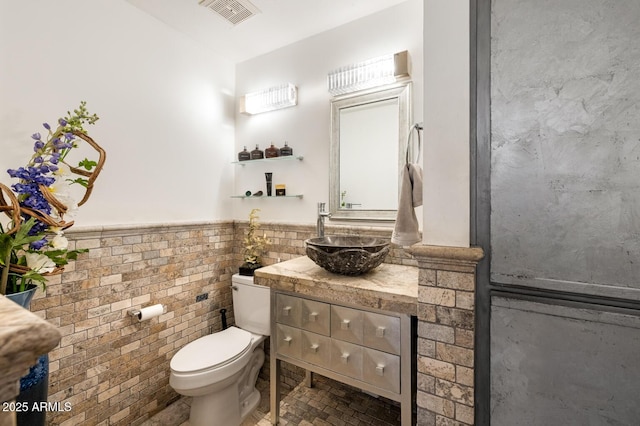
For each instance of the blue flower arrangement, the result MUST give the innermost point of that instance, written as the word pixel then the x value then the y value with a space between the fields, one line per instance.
pixel 32 241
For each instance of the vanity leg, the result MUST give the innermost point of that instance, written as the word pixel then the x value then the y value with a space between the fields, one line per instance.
pixel 406 405
pixel 275 389
pixel 308 379
pixel 405 413
pixel 407 368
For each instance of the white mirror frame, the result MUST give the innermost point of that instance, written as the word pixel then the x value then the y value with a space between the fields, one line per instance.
pixel 401 91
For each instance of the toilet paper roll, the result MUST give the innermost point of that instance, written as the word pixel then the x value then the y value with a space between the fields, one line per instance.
pixel 150 312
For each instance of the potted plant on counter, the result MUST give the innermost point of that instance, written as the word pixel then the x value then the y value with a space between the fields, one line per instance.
pixel 254 246
pixel 34 213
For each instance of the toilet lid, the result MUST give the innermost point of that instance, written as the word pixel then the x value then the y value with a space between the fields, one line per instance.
pixel 212 350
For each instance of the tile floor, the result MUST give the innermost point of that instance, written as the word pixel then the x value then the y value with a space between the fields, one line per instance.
pixel 327 403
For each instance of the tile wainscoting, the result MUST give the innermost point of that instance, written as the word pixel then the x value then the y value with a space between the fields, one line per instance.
pixel 114 370
pixel 446 333
pixel 287 240
pixel 111 368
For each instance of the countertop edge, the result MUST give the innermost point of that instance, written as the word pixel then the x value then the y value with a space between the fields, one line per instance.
pixel 302 276
pixel 23 338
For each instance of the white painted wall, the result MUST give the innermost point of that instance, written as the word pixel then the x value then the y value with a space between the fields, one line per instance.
pixel 446 112
pixel 307 126
pixel 166 106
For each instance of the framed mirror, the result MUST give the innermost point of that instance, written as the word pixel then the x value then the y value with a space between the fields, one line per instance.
pixel 368 144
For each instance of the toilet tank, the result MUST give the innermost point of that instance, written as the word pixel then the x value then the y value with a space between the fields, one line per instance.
pixel 251 305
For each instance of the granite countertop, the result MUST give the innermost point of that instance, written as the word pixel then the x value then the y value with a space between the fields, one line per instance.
pixel 23 337
pixel 388 287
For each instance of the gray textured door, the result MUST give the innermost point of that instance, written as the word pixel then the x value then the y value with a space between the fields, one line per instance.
pixel 564 212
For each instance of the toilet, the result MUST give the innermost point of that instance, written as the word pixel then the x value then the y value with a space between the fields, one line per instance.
pixel 219 371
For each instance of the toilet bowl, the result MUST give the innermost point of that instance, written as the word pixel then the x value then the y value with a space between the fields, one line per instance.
pixel 219 371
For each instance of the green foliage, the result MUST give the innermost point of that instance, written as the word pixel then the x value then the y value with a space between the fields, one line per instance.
pixel 9 243
pixel 87 164
pixel 80 181
pixel 13 249
pixel 79 117
pixel 9 246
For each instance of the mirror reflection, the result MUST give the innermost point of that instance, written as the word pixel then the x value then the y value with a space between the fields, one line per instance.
pixel 365 135
pixel 368 138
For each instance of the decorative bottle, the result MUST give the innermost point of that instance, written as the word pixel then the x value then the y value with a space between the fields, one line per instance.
pixel 257 153
pixel 271 152
pixel 286 150
pixel 269 177
pixel 244 155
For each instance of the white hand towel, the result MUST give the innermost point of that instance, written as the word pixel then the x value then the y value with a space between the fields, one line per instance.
pixel 406 230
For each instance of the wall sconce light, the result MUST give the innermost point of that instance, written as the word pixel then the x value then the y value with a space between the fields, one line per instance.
pixel 276 97
pixel 371 73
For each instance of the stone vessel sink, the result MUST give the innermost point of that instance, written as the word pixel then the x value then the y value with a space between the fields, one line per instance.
pixel 347 254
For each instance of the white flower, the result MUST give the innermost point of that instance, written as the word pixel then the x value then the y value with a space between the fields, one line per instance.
pixel 39 263
pixel 63 171
pixel 61 189
pixel 60 242
pixel 72 208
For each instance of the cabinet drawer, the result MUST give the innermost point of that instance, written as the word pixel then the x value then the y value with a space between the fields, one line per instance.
pixel 381 369
pixel 316 316
pixel 288 310
pixel 288 341
pixel 316 349
pixel 382 332
pixel 346 358
pixel 346 324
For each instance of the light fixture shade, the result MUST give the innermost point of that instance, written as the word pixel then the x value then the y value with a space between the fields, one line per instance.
pixel 371 73
pixel 276 97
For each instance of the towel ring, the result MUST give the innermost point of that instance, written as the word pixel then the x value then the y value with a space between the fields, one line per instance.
pixel 417 127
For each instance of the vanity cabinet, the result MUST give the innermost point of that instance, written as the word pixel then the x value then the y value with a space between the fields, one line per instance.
pixel 365 348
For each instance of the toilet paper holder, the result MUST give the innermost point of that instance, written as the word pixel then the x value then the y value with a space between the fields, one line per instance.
pixel 148 312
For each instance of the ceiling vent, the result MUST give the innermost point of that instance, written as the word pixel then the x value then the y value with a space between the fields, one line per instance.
pixel 233 11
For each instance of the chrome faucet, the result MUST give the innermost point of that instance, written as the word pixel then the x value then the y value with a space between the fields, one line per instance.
pixel 321 215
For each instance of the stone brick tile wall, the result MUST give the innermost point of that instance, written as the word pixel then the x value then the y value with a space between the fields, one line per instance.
pixel 446 326
pixel 111 368
pixel 114 370
pixel 287 240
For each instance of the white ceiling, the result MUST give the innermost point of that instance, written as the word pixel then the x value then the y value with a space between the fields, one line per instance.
pixel 281 22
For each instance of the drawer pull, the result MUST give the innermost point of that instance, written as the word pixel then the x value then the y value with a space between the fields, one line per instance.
pixel 313 316
pixel 380 332
pixel 288 340
pixel 380 370
pixel 345 324
pixel 344 358
pixel 286 310
pixel 314 347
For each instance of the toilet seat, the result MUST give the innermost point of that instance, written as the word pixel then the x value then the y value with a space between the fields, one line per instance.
pixel 211 351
